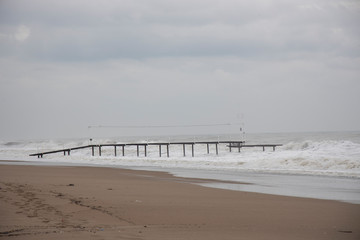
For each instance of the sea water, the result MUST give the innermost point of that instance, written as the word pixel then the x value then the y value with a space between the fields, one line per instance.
pixel 322 165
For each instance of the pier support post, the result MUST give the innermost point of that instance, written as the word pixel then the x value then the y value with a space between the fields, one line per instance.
pixel 99 150
pixel 263 148
pixel 66 151
pixel 145 147
pixel 92 150
pixel 137 150
pixel 208 148
pixel 167 148
pixel 123 150
pixel 184 149
pixel 217 151
pixel 159 150
pixel 192 149
pixel 115 150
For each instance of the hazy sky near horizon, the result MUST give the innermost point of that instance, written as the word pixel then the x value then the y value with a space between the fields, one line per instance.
pixel 274 65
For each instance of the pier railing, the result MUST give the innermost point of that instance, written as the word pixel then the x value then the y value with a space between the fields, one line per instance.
pixel 230 144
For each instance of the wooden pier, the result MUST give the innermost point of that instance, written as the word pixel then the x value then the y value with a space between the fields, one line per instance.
pixel 239 146
pixel 229 144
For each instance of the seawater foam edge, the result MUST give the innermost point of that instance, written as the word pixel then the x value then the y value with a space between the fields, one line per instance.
pixel 309 157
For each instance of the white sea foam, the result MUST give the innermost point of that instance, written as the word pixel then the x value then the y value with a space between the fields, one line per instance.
pixel 319 155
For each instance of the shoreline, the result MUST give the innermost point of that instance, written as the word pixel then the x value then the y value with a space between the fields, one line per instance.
pixel 42 202
pixel 323 187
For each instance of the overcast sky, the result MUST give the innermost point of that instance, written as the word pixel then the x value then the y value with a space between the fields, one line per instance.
pixel 275 65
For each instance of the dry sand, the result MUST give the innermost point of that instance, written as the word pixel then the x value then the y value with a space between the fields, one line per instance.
pixel 40 202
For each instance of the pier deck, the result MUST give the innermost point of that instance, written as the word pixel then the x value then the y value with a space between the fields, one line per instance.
pixel 230 145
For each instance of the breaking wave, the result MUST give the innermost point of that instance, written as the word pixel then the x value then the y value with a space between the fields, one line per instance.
pixel 315 157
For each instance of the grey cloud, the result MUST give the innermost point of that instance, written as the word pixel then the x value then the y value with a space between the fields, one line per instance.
pixel 65 65
pixel 142 29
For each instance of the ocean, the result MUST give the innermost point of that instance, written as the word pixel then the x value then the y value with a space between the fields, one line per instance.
pixel 322 165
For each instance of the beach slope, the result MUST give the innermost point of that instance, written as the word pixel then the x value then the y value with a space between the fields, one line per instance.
pixel 41 202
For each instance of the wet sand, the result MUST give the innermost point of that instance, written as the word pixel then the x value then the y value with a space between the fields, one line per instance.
pixel 42 202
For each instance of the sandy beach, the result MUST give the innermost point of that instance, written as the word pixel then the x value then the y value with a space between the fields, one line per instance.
pixel 41 202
